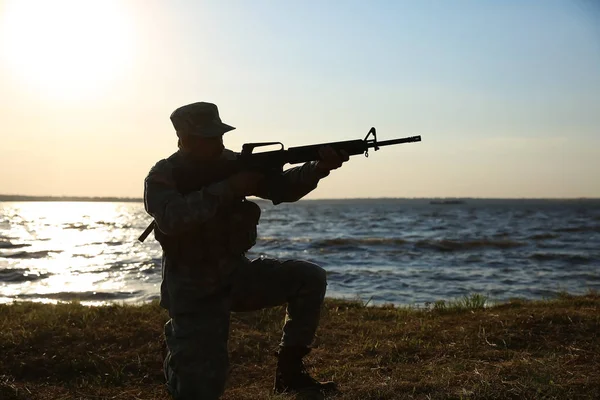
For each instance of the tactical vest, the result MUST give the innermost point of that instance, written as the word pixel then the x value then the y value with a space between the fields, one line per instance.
pixel 232 231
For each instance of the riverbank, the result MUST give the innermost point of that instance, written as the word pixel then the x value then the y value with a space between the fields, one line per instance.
pixel 463 350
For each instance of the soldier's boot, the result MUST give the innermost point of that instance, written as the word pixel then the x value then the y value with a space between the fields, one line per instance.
pixel 292 377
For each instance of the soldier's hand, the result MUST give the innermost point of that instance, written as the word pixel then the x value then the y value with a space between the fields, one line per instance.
pixel 331 159
pixel 245 183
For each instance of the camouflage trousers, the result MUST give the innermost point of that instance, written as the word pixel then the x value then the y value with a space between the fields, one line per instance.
pixel 197 363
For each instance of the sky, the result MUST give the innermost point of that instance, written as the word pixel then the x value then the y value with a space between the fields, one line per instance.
pixel 505 94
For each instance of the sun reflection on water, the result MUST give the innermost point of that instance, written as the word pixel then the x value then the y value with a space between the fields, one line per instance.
pixel 65 248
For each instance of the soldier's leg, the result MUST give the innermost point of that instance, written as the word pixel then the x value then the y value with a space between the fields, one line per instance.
pixel 267 282
pixel 197 363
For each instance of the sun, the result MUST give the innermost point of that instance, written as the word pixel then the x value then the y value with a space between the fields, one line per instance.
pixel 66 48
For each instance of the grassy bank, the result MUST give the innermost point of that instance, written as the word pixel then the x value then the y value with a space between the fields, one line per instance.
pixel 543 350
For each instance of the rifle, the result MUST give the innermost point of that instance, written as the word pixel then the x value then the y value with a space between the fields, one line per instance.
pixel 272 162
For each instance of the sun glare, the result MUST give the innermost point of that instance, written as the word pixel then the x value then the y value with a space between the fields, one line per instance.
pixel 66 48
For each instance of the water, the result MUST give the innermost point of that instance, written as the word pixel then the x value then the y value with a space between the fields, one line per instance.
pixel 386 251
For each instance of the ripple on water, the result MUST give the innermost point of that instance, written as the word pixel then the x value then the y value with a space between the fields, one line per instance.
pixel 5 244
pixel 29 254
pixel 83 296
pixel 566 257
pixel 19 275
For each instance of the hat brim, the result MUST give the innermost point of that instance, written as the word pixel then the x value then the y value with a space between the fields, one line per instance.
pixel 227 128
pixel 216 130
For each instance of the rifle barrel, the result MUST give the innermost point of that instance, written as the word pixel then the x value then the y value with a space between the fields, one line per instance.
pixel 398 141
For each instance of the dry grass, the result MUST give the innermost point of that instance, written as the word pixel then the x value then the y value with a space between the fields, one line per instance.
pixel 462 350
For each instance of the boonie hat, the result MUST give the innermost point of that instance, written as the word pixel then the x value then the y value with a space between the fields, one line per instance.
pixel 199 119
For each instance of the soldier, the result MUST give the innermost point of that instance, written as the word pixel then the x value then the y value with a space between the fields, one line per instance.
pixel 205 234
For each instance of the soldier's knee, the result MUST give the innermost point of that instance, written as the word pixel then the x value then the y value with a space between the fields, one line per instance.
pixel 321 275
pixel 196 369
pixel 314 274
pixel 197 383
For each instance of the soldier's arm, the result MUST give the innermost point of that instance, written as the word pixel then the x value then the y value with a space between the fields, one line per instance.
pixel 292 184
pixel 175 213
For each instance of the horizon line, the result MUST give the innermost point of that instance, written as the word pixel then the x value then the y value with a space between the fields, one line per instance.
pixel 17 197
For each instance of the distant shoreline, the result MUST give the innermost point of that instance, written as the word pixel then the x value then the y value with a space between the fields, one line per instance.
pixel 17 197
pixel 433 200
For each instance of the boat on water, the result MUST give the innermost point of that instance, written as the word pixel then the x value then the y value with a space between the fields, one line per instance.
pixel 445 202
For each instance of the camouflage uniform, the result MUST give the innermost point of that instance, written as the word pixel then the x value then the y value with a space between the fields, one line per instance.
pixel 200 290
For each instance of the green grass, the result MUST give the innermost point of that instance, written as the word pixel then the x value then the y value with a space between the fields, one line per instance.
pixel 463 349
pixel 472 302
